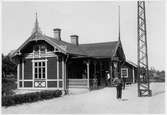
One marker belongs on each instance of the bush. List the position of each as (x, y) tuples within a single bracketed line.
[(8, 85), (29, 97)]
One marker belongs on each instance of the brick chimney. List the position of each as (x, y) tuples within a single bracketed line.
[(57, 34), (74, 39)]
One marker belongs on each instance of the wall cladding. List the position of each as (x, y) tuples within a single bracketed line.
[(60, 68), (28, 84), (52, 83), (52, 68), (28, 69), (20, 72)]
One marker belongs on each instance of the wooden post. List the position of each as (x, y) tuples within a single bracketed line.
[(57, 71), (101, 79), (95, 69), (95, 76), (111, 71), (133, 74), (18, 74), (63, 72), (22, 73), (88, 74)]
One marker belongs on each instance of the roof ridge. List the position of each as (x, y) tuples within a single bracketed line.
[(57, 40), (99, 43)]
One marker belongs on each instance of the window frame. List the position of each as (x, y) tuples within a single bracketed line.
[(38, 52), (124, 69), (41, 67)]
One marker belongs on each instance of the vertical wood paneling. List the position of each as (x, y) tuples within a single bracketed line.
[(52, 68), (20, 71), (28, 69), (60, 68)]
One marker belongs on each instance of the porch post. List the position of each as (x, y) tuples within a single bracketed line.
[(100, 68), (95, 76), (63, 72), (111, 71), (22, 73), (87, 64), (57, 71), (133, 74), (95, 69), (18, 74), (101, 79)]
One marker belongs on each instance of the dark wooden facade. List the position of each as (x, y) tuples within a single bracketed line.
[(130, 70)]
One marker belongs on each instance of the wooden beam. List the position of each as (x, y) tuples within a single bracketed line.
[(111, 71), (95, 63), (63, 73), (133, 75), (18, 74), (100, 69), (57, 71), (22, 73), (88, 74)]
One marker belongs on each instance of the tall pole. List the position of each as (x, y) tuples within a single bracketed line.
[(143, 73), (119, 36)]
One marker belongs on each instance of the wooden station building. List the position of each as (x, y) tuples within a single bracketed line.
[(45, 62)]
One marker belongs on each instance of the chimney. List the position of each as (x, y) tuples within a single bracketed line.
[(74, 39), (57, 34)]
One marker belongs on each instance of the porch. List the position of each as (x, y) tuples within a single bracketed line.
[(89, 73)]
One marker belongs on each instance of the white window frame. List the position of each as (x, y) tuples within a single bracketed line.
[(39, 52), (124, 69), (39, 79)]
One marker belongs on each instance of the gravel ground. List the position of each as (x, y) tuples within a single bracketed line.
[(98, 101)]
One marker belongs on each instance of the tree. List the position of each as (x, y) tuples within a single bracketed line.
[(8, 66)]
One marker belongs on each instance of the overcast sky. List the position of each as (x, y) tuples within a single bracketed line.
[(92, 21)]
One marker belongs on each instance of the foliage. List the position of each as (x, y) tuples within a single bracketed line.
[(8, 66), (29, 97), (8, 69), (156, 75), (8, 86)]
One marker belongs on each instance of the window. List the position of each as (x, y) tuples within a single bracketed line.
[(124, 72), (39, 49), (40, 73), (40, 70)]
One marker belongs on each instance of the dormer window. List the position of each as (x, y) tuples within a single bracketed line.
[(36, 48), (42, 49), (39, 49)]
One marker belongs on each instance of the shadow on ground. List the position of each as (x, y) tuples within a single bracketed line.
[(157, 93)]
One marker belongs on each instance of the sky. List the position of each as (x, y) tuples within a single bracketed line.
[(93, 21)]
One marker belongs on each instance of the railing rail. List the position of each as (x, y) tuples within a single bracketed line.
[(77, 83)]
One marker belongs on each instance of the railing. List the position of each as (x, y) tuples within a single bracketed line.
[(77, 83)]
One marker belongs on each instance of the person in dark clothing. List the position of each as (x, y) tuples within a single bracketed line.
[(118, 82), (124, 82)]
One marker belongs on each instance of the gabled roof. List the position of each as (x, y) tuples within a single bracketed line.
[(70, 48), (132, 63), (106, 49)]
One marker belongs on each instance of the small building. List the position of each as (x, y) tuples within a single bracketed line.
[(129, 72), (45, 62)]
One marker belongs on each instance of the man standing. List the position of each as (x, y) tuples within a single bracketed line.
[(124, 82), (108, 78), (118, 82)]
